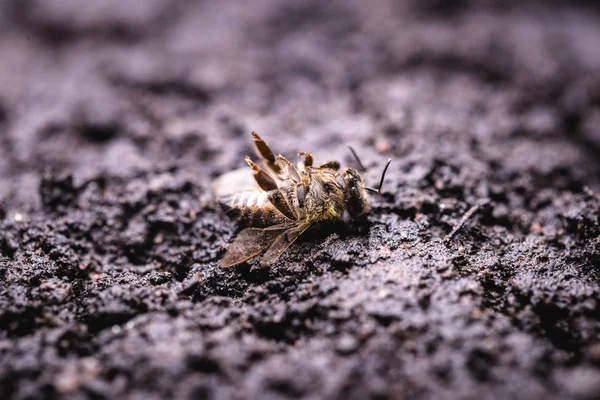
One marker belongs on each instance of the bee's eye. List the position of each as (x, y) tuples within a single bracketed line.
[(353, 198), (340, 181)]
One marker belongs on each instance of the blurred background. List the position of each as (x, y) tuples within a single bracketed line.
[(116, 116), (119, 87)]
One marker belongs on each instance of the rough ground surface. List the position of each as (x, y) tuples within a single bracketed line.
[(115, 116)]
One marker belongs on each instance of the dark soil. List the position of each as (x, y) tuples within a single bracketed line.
[(115, 117)]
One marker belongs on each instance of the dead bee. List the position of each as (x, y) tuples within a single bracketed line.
[(287, 201)]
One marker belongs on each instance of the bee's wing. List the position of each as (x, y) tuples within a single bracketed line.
[(239, 180), (250, 242), (281, 243)]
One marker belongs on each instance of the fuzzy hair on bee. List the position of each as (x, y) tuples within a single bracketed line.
[(278, 201)]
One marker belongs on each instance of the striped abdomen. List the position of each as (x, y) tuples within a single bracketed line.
[(252, 208)]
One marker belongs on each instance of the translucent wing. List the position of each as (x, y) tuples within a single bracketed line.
[(239, 180), (281, 244), (251, 242), (236, 181)]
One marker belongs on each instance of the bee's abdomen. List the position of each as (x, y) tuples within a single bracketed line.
[(251, 208)]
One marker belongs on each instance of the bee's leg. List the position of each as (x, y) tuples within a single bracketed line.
[(291, 170), (295, 177), (280, 203), (261, 177), (265, 153), (308, 158), (300, 194), (334, 165)]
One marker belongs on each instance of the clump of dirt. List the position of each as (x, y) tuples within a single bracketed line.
[(115, 119)]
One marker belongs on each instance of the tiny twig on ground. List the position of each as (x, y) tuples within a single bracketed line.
[(468, 215)]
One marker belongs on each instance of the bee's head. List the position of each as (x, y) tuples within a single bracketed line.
[(355, 196)]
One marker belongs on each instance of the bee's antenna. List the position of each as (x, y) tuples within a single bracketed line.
[(360, 164), (378, 190)]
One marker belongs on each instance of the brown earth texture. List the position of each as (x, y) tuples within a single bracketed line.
[(115, 117)]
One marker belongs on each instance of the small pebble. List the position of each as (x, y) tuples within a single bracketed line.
[(347, 344), (537, 228)]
